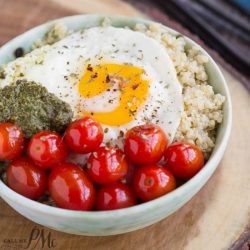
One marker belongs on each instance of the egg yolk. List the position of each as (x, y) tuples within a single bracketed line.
[(127, 79)]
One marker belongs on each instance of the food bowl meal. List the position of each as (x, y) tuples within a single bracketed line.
[(107, 124)]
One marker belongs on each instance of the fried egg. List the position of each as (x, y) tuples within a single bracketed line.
[(121, 77)]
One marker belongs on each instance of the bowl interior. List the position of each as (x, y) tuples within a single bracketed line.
[(216, 79)]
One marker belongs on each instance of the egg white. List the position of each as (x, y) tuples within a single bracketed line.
[(60, 67)]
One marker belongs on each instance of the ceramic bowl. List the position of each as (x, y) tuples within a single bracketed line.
[(128, 219)]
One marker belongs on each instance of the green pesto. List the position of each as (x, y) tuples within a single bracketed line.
[(33, 108)]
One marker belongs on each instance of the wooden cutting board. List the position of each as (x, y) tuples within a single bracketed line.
[(214, 219)]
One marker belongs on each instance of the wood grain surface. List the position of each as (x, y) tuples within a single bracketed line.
[(214, 219)]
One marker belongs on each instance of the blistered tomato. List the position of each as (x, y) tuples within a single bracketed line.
[(145, 144), (107, 165), (115, 196), (71, 188), (153, 181), (11, 141), (184, 159), (84, 135), (26, 179), (47, 149)]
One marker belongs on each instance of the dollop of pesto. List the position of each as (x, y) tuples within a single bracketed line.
[(30, 105)]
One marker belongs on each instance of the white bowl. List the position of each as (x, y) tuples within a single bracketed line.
[(128, 219)]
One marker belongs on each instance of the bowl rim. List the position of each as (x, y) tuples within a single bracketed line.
[(214, 159)]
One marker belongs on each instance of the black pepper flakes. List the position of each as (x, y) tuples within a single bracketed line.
[(94, 75), (121, 134), (89, 67), (107, 79), (135, 86), (132, 112)]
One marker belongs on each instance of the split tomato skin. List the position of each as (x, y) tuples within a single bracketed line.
[(84, 135), (145, 144), (70, 187), (107, 165), (184, 160), (153, 181), (26, 179), (11, 141), (115, 196), (47, 149)]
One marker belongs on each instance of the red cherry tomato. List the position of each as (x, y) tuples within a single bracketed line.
[(153, 181), (70, 187), (107, 165), (11, 141), (115, 196), (26, 179), (184, 160), (145, 144), (84, 135), (47, 149)]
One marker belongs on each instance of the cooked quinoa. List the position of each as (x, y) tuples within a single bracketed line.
[(55, 34), (202, 107)]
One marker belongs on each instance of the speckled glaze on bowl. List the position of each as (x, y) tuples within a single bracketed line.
[(129, 219)]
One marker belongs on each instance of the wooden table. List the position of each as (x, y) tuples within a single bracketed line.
[(216, 218)]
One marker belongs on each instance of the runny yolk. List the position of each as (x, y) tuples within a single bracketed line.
[(126, 79)]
